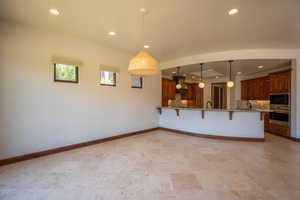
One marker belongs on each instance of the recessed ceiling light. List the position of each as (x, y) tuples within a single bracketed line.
[(233, 11), (146, 46), (54, 11), (112, 33), (239, 72), (260, 66)]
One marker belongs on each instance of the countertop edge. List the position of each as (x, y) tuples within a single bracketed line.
[(214, 110)]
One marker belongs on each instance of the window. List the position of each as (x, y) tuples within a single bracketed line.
[(108, 78), (65, 73), (136, 82)]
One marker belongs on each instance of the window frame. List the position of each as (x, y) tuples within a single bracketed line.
[(67, 81), (141, 80), (114, 76)]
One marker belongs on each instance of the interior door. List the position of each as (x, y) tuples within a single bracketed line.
[(216, 97)]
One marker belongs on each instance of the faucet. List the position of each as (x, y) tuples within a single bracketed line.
[(208, 103), (249, 105)]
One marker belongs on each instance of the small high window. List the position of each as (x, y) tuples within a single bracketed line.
[(136, 82), (108, 78), (66, 73)]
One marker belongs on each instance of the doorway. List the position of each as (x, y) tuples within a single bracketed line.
[(219, 95)]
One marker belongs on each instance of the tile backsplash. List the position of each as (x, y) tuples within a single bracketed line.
[(256, 104)]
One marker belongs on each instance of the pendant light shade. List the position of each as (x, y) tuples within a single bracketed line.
[(178, 86), (230, 83), (143, 64), (201, 84)]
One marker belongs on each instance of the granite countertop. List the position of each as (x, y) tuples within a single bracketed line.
[(215, 110)]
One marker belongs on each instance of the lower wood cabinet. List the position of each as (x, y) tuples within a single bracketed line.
[(266, 122), (280, 130)]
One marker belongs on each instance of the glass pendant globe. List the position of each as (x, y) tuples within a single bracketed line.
[(178, 86), (201, 85), (230, 84)]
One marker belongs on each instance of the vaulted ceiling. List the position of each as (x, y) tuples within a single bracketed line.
[(173, 28)]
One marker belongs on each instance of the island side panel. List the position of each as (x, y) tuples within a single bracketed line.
[(243, 124)]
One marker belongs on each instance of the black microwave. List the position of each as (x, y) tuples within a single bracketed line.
[(280, 99)]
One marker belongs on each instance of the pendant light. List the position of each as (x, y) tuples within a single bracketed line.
[(178, 79), (230, 83), (143, 63), (201, 84)]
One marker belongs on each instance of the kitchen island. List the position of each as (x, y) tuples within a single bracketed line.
[(233, 124)]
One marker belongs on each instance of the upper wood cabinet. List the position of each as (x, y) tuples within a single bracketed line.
[(255, 89), (190, 94), (168, 90), (260, 88), (280, 82), (194, 94)]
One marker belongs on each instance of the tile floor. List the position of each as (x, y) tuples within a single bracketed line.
[(160, 165)]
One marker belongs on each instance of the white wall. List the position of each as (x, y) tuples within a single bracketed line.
[(38, 114), (293, 54)]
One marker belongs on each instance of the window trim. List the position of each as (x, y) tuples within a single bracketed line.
[(115, 79), (141, 87), (66, 81)]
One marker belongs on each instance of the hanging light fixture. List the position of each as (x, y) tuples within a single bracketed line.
[(201, 84), (178, 79), (143, 63), (230, 83)]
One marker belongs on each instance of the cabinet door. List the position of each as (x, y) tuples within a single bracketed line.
[(274, 83), (164, 92), (261, 85), (244, 88), (266, 122), (266, 88), (168, 90), (172, 89), (285, 79), (250, 90), (280, 82), (199, 97)]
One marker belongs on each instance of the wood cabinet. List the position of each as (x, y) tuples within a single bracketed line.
[(199, 97), (194, 94), (168, 91), (266, 122), (280, 130), (280, 82), (190, 94), (260, 88), (255, 89)]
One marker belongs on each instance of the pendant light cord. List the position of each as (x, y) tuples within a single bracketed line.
[(142, 28), (230, 61), (201, 71)]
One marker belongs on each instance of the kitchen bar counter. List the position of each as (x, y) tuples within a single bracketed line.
[(217, 123), (214, 109)]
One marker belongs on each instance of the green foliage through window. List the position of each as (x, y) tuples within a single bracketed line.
[(66, 73)]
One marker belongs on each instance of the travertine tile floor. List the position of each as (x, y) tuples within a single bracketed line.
[(160, 165)]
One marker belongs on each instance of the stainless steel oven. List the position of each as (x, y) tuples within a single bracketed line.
[(280, 118), (280, 99)]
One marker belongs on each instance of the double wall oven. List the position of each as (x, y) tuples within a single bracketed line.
[(281, 107)]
